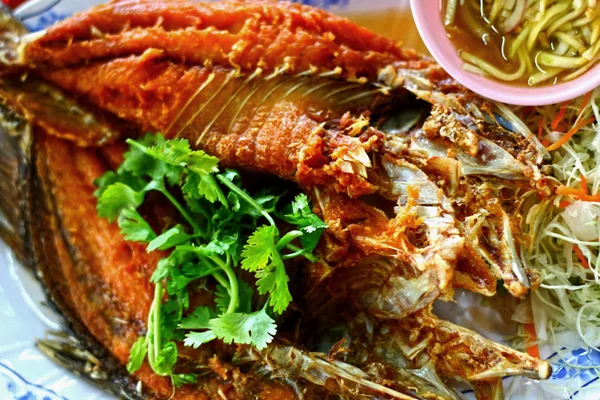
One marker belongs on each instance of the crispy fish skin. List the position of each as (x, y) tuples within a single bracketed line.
[(246, 122), (271, 87), (242, 34), (92, 284), (234, 41)]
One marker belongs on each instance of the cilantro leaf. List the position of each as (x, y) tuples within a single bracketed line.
[(197, 206), (234, 203), (222, 298), (173, 153), (174, 236), (197, 339), (180, 256), (197, 270), (245, 297), (259, 249), (310, 224), (105, 181), (177, 282), (245, 293), (177, 152), (161, 271), (139, 163), (137, 354), (229, 241), (158, 158), (182, 379), (165, 359), (170, 315), (134, 227), (198, 319), (178, 157), (257, 328), (260, 255), (274, 280), (213, 248), (177, 286), (267, 198), (111, 177), (116, 198), (201, 186), (233, 176)]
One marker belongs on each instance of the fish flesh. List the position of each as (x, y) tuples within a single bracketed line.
[(421, 182)]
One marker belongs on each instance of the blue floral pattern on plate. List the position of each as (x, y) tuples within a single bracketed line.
[(44, 20), (579, 364), (20, 389)]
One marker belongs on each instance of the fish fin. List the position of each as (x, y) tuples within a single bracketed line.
[(70, 353), (481, 359), (340, 377), (59, 113), (15, 143)]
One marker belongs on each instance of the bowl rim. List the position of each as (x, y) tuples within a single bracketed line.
[(433, 33)]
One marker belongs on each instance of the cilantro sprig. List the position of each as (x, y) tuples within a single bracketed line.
[(223, 229)]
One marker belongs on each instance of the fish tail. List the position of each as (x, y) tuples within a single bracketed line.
[(69, 352)]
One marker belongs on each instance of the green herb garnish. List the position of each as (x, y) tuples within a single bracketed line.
[(223, 229)]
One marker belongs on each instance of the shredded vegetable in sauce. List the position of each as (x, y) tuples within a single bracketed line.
[(565, 228), (528, 42)]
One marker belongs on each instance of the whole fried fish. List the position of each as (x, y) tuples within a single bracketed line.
[(420, 182)]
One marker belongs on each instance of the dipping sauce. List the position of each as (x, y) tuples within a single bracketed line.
[(527, 42)]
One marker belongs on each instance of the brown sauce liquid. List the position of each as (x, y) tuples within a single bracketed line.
[(472, 33), (487, 46)]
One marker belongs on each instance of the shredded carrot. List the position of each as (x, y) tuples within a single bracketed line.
[(562, 127), (577, 194), (567, 191), (540, 128), (559, 116), (532, 348), (564, 204), (545, 143), (581, 257), (565, 138), (584, 187), (586, 100)]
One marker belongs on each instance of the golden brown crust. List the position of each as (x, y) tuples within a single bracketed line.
[(248, 123), (263, 34)]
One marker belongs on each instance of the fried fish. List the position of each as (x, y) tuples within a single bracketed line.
[(420, 181)]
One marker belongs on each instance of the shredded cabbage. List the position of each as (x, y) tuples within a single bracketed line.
[(565, 228)]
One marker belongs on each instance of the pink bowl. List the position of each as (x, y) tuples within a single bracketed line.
[(428, 19)]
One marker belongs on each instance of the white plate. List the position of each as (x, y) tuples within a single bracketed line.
[(25, 374)]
